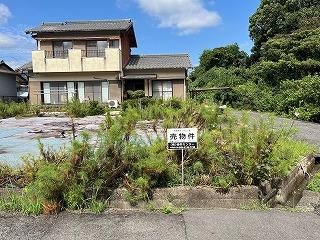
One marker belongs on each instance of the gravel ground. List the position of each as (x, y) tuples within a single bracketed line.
[(193, 224)]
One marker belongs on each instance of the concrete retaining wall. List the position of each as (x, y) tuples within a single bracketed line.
[(291, 189), (191, 197)]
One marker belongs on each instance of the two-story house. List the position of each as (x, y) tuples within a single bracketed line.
[(92, 60)]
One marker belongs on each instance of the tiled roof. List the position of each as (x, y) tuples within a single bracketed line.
[(158, 62), (26, 66), (95, 25)]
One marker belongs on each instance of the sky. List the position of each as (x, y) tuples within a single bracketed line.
[(161, 26)]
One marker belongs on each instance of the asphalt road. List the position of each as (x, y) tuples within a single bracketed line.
[(193, 224)]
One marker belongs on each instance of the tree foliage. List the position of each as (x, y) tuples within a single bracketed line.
[(275, 17), (229, 56), (285, 56)]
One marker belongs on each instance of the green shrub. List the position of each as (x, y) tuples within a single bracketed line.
[(171, 209), (136, 94), (300, 99), (254, 97), (97, 206), (14, 109), (90, 108), (314, 185), (137, 103)]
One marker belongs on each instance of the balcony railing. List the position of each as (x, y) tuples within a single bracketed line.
[(84, 53), (93, 53), (56, 54)]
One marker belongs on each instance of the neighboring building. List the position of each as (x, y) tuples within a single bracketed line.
[(10, 82), (92, 60), (25, 71)]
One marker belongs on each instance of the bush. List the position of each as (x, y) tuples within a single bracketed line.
[(137, 103), (14, 109), (136, 94), (254, 97), (314, 185), (300, 98), (90, 108)]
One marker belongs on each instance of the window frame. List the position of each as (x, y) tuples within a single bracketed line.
[(96, 51), (64, 52), (162, 91), (96, 95)]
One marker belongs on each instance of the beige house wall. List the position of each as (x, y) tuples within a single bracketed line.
[(46, 45), (178, 89), (79, 41), (76, 77), (115, 90), (34, 88)]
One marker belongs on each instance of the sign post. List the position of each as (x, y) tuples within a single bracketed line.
[(182, 139)]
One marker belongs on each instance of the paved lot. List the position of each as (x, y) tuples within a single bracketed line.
[(307, 131), (193, 224)]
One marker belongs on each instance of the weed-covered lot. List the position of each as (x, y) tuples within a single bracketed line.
[(232, 151)]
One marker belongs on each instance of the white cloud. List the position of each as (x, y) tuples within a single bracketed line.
[(7, 41), (188, 16), (15, 45), (122, 4), (5, 14)]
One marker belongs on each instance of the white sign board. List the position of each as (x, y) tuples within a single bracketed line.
[(182, 138)]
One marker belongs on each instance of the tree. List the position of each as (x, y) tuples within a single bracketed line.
[(229, 56), (281, 17)]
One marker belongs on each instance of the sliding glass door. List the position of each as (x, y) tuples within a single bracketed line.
[(57, 93)]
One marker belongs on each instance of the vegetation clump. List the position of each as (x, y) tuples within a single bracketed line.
[(14, 109), (314, 185), (77, 109), (131, 152)]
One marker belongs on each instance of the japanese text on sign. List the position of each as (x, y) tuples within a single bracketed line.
[(182, 138)]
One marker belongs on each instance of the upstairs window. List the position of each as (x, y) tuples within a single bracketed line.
[(60, 49), (113, 43), (96, 48)]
